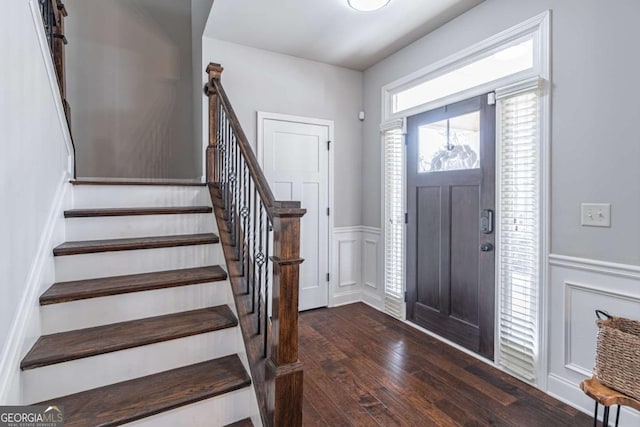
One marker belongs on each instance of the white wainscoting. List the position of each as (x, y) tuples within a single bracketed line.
[(372, 267), (345, 286), (578, 287), (357, 267)]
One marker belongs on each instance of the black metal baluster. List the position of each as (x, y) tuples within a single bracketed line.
[(253, 272), (233, 188), (219, 144), (228, 171), (243, 214), (239, 207), (236, 201), (266, 289), (232, 149), (248, 224), (223, 156), (48, 19), (223, 164), (260, 259)]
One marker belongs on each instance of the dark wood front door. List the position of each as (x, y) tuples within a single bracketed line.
[(451, 210)]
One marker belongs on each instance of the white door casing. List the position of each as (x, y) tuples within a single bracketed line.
[(294, 155)]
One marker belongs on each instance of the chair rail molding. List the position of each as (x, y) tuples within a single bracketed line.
[(597, 266)]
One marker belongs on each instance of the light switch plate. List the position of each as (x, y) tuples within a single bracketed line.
[(596, 215)]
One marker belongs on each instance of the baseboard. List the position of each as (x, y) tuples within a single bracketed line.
[(346, 298), (373, 300), (26, 324), (374, 305)]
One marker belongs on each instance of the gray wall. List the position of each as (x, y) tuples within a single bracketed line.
[(200, 10), (130, 85), (595, 109), (258, 80)]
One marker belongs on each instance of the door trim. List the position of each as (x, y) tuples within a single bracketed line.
[(261, 117)]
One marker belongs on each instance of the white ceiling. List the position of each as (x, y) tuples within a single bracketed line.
[(329, 30)]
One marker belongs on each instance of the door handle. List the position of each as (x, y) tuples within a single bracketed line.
[(486, 247)]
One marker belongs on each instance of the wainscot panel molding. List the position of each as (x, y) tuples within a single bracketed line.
[(578, 287), (372, 267), (345, 286), (357, 267)]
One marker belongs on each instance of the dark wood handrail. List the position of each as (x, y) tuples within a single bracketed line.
[(233, 170)]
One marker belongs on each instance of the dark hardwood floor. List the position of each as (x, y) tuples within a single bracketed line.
[(363, 368)]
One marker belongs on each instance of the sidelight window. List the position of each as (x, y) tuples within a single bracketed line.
[(394, 189), (519, 206)]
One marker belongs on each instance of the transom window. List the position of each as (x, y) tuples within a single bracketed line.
[(507, 60)]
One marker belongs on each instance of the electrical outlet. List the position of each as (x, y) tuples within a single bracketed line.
[(596, 215)]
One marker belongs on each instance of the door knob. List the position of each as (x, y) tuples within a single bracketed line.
[(486, 247)]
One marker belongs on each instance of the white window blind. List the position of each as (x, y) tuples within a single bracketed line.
[(394, 221), (519, 248)]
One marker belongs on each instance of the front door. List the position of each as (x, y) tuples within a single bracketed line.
[(450, 239), (296, 164)]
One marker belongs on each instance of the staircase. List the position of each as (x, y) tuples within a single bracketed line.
[(141, 325)]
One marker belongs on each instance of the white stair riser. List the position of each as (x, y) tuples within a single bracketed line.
[(132, 196), (137, 305), (74, 376), (217, 411), (118, 263), (97, 228)]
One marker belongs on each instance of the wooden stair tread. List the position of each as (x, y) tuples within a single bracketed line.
[(173, 210), (137, 182), (108, 245), (135, 399), (93, 288), (242, 423), (72, 345)]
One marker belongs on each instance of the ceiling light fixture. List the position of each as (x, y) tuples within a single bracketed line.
[(367, 5)]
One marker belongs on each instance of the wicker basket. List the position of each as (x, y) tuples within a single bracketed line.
[(618, 355)]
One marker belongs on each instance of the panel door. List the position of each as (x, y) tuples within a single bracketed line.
[(296, 164), (450, 239)]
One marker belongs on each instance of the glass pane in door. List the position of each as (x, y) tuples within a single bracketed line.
[(451, 144)]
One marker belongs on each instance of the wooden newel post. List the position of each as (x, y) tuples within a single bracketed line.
[(284, 371), (214, 71)]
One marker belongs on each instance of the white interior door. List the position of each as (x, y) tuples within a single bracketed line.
[(296, 164)]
